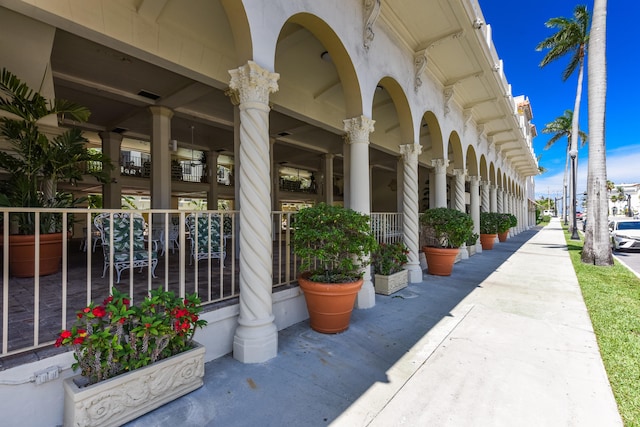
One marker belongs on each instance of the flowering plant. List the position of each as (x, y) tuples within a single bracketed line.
[(116, 337), (389, 258)]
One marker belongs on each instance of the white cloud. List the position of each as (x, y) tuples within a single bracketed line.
[(622, 168)]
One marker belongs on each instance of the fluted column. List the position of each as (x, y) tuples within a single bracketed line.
[(493, 195), (474, 201), (440, 182), (485, 206), (256, 338), (410, 209), (358, 130)]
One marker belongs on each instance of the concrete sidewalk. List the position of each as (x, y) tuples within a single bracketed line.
[(505, 341)]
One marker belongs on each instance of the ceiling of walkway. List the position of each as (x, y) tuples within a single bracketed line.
[(118, 88)]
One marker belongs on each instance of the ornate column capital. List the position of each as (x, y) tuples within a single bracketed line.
[(253, 83), (410, 152), (440, 165), (459, 172), (474, 180), (358, 129)]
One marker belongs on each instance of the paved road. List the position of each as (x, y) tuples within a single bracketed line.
[(631, 259)]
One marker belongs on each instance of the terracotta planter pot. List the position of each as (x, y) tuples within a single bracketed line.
[(125, 397), (440, 260), (22, 254), (487, 241), (329, 304), (503, 236)]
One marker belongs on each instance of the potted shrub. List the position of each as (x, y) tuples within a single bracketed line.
[(445, 231), (334, 245), (489, 223), (388, 261), (504, 223), (36, 164), (471, 243), (132, 359)]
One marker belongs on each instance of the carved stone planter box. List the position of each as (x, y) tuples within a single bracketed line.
[(123, 398), (386, 285)]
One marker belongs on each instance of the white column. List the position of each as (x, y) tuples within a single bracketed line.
[(112, 190), (160, 157), (410, 209), (440, 184), (493, 194), (474, 200), (256, 338), (358, 130), (212, 176), (460, 199), (459, 202), (485, 207), (400, 183), (346, 178), (328, 178), (501, 200)]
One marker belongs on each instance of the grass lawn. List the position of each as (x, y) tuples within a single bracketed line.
[(612, 296)]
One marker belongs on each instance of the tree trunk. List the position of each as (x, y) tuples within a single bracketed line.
[(597, 249)]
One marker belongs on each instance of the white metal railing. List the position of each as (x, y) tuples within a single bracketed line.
[(48, 303), (387, 227)]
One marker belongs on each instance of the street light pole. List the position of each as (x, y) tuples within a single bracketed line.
[(574, 176), (629, 213)]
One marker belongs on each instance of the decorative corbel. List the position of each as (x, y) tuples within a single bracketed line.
[(371, 13), (448, 94), (419, 63)]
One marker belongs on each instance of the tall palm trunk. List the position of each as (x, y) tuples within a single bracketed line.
[(564, 188), (597, 249), (573, 150)]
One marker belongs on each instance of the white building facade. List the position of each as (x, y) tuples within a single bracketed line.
[(393, 106)]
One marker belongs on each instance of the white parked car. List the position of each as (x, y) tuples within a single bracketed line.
[(625, 234)]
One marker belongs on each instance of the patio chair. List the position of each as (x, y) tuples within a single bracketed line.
[(173, 239), (205, 240), (121, 243)]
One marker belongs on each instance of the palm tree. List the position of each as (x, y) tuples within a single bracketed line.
[(597, 249), (560, 128), (572, 38)]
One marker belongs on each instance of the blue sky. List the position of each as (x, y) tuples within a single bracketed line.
[(517, 28)]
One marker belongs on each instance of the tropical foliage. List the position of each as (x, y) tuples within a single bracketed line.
[(39, 161)]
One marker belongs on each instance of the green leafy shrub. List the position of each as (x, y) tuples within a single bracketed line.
[(447, 228), (333, 242), (389, 258)]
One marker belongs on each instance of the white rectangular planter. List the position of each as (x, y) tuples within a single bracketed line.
[(386, 285), (123, 398)]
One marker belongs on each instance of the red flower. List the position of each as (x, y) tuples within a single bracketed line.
[(147, 325), (80, 314), (121, 321), (58, 342), (65, 334), (108, 300), (87, 309), (99, 311), (125, 301), (78, 340)]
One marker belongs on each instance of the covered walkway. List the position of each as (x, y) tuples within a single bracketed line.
[(506, 340)]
